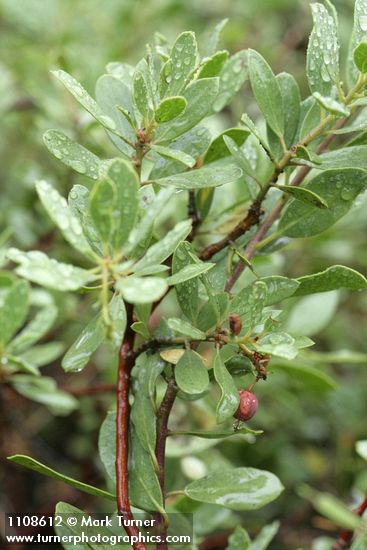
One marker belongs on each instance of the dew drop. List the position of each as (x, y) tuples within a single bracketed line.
[(347, 194), (363, 22)]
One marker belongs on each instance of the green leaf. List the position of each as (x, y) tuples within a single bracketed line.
[(194, 143), (183, 60), (239, 156), (218, 149), (142, 411), (82, 96), (213, 312), (184, 327), (310, 377), (312, 313), (349, 157), (140, 92), (291, 100), (58, 210), (140, 236), (44, 390), (114, 203), (303, 195), (338, 188), (117, 314), (231, 78), (200, 96), (332, 508), (33, 464), (333, 278), (267, 92), (182, 258), (146, 370), (214, 37), (282, 344), (126, 182), (107, 444), (279, 288), (20, 364), (39, 268), (190, 373), (360, 543), (361, 448), (249, 303), (14, 305), (85, 345), (359, 34), (239, 540), (62, 529), (213, 175), (237, 489), (291, 96), (265, 536), (250, 125), (332, 105), (110, 93), (161, 250), (142, 290), (189, 272), (43, 354), (72, 154), (144, 488), (78, 200), (174, 154), (170, 108), (212, 66), (74, 533), (323, 51), (217, 434), (229, 401), (35, 330)]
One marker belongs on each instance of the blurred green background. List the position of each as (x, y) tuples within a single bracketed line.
[(310, 430)]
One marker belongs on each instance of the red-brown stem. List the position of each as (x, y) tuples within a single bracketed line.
[(251, 247), (252, 218), (345, 536), (192, 214), (126, 362), (163, 414)]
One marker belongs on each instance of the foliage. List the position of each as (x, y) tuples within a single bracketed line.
[(173, 239)]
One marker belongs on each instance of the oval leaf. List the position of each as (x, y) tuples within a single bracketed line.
[(304, 195), (338, 188), (229, 401), (190, 373), (170, 108), (237, 489), (267, 92), (72, 154)]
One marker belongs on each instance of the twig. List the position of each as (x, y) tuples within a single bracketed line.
[(126, 362), (345, 536), (163, 414), (157, 343), (192, 214)]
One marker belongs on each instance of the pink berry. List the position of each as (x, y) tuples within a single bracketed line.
[(247, 407)]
